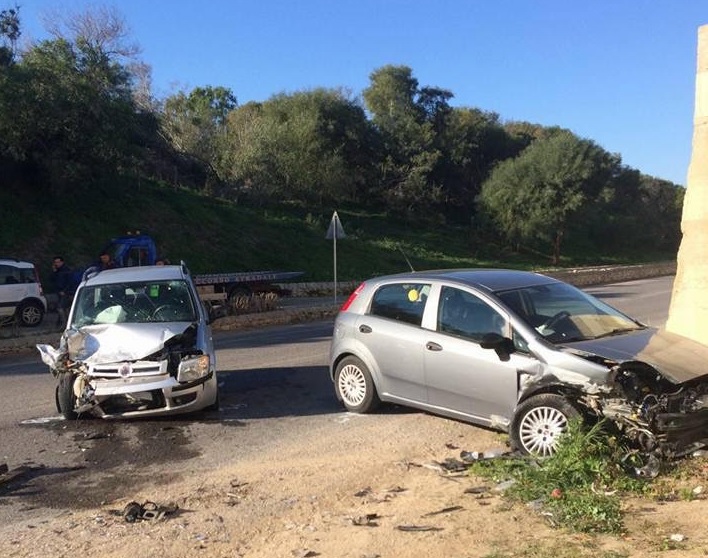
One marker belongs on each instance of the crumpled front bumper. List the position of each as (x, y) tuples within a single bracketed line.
[(155, 395)]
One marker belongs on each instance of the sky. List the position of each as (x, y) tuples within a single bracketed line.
[(619, 72)]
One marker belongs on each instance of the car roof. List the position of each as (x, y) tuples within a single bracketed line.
[(16, 262), (132, 274), (492, 280)]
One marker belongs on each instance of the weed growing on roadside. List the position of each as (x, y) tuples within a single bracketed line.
[(579, 486)]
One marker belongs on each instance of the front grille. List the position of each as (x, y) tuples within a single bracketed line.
[(138, 369)]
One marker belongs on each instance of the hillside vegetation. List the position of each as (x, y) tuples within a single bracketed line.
[(213, 235), (87, 152)]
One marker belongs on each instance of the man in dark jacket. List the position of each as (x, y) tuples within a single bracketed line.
[(63, 285)]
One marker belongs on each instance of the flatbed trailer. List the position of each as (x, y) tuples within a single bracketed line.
[(140, 249)]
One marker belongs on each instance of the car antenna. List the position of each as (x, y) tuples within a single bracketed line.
[(406, 257)]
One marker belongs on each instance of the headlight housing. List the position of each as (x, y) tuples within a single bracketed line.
[(193, 368)]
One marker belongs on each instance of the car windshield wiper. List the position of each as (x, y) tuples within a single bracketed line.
[(618, 331)]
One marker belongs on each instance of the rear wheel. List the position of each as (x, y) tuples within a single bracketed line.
[(66, 398), (30, 313), (539, 422), (355, 386)]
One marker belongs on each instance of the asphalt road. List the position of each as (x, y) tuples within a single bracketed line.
[(273, 384)]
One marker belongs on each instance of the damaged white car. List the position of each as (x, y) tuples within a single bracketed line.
[(137, 343), (519, 352)]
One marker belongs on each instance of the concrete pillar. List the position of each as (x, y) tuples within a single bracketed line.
[(688, 313)]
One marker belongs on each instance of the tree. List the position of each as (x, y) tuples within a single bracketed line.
[(410, 121), (195, 124), (10, 33), (312, 146), (542, 193), (67, 114), (100, 28), (472, 142)]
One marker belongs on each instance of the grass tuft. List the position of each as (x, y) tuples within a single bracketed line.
[(579, 487)]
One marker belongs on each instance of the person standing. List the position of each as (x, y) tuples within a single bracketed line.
[(105, 261), (63, 286)]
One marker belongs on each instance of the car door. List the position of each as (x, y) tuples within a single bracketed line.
[(395, 341), (12, 290), (463, 378)]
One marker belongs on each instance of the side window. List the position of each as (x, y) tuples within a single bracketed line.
[(7, 275), (520, 343), (403, 302), (463, 314), (27, 275)]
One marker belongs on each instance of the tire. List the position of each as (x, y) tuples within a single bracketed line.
[(355, 386), (30, 313), (66, 399), (539, 422), (240, 292)]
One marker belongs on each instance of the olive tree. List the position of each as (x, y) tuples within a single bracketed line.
[(542, 193)]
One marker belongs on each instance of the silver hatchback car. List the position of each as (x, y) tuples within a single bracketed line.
[(137, 343), (518, 352)]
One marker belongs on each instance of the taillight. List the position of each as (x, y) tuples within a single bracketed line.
[(36, 278), (352, 298)]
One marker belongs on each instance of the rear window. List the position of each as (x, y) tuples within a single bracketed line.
[(403, 302)]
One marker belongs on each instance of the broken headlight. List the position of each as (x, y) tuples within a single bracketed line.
[(193, 368)]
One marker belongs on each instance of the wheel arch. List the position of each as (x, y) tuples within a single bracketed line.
[(32, 300), (364, 357), (572, 394)]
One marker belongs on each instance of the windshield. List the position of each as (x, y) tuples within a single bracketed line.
[(142, 302), (562, 313)]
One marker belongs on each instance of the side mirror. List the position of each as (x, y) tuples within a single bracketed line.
[(503, 346)]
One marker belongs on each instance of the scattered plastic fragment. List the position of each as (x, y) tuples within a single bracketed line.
[(472, 456), (453, 465), (368, 520), (417, 528), (677, 537), (477, 490), (444, 510), (363, 492), (148, 511)]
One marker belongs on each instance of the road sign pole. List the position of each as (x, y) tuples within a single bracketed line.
[(334, 245), (334, 231)]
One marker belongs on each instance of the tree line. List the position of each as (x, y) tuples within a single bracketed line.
[(77, 110)]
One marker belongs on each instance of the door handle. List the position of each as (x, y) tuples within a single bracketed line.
[(365, 329), (431, 346)]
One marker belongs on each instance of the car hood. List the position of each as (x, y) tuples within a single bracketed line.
[(105, 343), (675, 357)]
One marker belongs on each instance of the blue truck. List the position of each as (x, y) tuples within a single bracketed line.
[(140, 249)]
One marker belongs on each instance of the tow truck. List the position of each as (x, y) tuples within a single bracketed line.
[(139, 249)]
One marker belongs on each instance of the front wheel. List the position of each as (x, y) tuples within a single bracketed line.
[(539, 423), (355, 386), (66, 398)]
